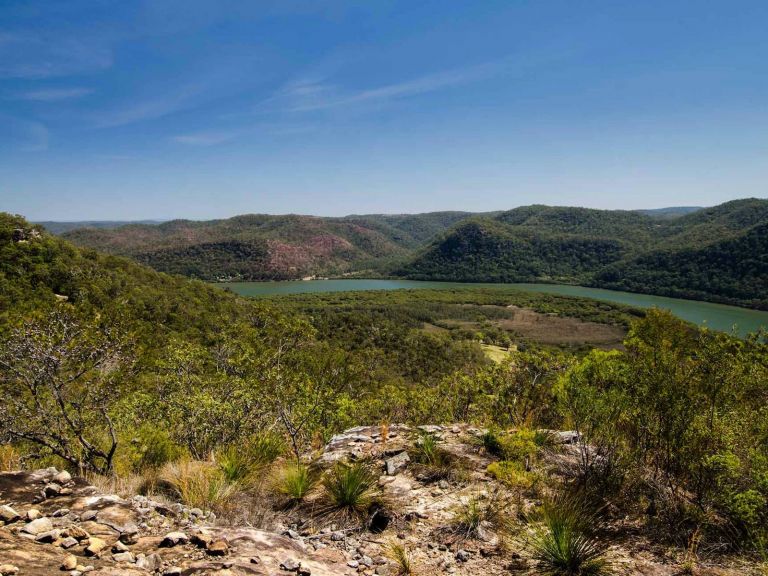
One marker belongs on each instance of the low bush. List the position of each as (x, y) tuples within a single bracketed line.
[(512, 474)]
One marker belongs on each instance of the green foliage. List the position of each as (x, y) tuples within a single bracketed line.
[(245, 463), (350, 489), (563, 543), (512, 474), (152, 448), (294, 481)]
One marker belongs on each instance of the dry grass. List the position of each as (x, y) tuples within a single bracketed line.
[(400, 556), (199, 484), (10, 459)]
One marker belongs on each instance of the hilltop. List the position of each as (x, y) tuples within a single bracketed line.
[(718, 254), (265, 247)]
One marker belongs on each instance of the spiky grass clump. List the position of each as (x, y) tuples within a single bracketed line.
[(489, 510), (432, 462), (245, 464), (294, 482), (400, 556), (350, 489), (563, 542), (199, 484)]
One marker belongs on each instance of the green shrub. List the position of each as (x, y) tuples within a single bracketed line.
[(350, 489), (512, 474), (153, 448), (519, 445), (432, 463), (492, 444), (563, 543)]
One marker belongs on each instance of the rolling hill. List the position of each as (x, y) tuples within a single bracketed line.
[(264, 247), (718, 254)]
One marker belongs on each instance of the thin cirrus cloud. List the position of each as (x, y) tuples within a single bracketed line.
[(35, 56), (204, 138), (313, 95), (54, 94)]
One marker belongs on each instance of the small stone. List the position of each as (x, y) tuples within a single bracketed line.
[(8, 514), (172, 571), (88, 515), (70, 562), (76, 532), (290, 565), (63, 477), (52, 490), (462, 555), (124, 557), (173, 539), (201, 539), (195, 512), (353, 563), (130, 534), (396, 463), (38, 526), (337, 536), (303, 571), (119, 547), (218, 548), (292, 534), (60, 512), (8, 570), (149, 563), (47, 537), (33, 514), (68, 543), (95, 546)]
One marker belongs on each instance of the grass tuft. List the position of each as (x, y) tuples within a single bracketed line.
[(199, 484), (294, 481), (350, 489), (398, 554), (563, 543)]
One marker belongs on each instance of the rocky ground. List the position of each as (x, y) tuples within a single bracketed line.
[(52, 523)]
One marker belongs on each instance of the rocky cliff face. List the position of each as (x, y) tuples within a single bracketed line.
[(55, 524)]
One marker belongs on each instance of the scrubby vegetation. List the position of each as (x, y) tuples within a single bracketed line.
[(109, 368)]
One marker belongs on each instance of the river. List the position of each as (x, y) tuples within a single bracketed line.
[(716, 316)]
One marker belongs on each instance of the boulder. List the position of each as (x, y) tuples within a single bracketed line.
[(396, 463), (95, 546), (38, 526), (8, 514), (70, 562), (174, 539)]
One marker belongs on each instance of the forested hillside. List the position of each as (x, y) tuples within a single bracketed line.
[(263, 247), (716, 254)]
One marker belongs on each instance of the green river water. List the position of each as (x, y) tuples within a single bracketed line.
[(715, 316)]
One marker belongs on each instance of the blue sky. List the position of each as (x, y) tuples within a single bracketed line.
[(203, 109)]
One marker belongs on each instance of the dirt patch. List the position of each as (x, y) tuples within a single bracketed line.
[(551, 329)]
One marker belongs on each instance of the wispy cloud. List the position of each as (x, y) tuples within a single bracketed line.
[(151, 109), (310, 94), (205, 138), (32, 55), (54, 94)]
